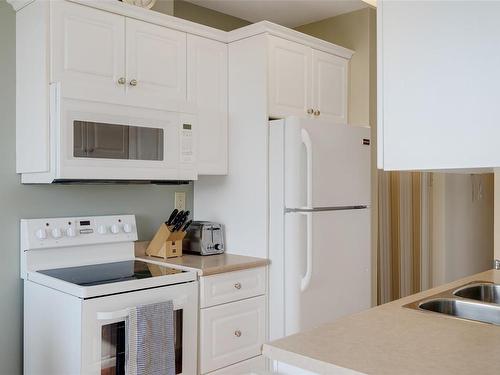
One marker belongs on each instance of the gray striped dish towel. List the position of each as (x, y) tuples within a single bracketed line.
[(151, 345)]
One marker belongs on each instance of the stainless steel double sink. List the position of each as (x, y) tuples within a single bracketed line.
[(478, 301)]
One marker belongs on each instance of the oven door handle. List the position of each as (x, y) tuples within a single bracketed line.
[(122, 314)]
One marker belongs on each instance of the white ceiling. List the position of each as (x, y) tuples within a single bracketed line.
[(290, 13)]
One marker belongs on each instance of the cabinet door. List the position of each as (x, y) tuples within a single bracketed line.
[(88, 52), (156, 65), (207, 89), (289, 78), (438, 85), (329, 89), (231, 333)]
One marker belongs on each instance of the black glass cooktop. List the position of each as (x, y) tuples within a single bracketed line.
[(106, 273)]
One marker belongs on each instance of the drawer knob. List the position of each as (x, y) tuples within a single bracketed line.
[(237, 286), (237, 333)]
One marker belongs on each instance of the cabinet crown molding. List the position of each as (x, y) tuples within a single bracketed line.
[(266, 27), (131, 11), (19, 4)]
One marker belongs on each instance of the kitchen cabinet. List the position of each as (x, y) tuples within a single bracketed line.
[(329, 86), (88, 52), (207, 90), (304, 81), (438, 85), (249, 366), (289, 78), (232, 320), (106, 57), (156, 65)]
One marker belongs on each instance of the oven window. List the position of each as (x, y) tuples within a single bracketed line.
[(114, 341), (111, 141)]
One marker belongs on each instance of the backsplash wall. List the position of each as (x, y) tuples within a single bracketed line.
[(151, 203)]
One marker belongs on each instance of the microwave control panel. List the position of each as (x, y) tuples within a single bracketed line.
[(187, 141)]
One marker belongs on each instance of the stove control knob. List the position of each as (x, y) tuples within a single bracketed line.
[(127, 228), (115, 229), (102, 229), (41, 234), (56, 233), (70, 232)]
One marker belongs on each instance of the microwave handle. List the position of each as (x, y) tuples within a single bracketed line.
[(122, 314)]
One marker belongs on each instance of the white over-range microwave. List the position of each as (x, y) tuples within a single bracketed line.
[(93, 141)]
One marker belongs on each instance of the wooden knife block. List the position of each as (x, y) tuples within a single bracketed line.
[(166, 244)]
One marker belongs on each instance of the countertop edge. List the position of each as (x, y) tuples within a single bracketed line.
[(227, 262), (305, 363)]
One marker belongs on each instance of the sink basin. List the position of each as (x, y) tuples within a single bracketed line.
[(463, 309), (484, 292)]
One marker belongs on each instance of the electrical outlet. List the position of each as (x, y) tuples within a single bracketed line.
[(180, 200)]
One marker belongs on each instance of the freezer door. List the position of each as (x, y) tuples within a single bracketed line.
[(326, 164), (327, 267)]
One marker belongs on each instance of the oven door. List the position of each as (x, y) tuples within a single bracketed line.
[(99, 141), (104, 335)]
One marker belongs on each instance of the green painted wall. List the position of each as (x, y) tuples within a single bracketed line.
[(151, 203), (208, 17)]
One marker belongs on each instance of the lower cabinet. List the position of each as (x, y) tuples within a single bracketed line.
[(232, 333), (250, 366)]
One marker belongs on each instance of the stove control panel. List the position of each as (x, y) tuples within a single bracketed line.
[(77, 231)]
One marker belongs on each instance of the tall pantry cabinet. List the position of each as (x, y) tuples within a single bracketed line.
[(274, 72)]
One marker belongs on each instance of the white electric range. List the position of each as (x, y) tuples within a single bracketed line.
[(81, 278)]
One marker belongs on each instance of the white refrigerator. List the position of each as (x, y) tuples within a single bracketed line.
[(319, 223)]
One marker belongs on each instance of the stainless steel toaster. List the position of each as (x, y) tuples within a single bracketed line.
[(204, 238)]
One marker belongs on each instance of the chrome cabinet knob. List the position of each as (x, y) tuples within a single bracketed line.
[(121, 81), (133, 82), (237, 286), (317, 112), (237, 333), (310, 111)]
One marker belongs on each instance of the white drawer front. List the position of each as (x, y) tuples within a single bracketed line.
[(231, 333), (232, 286), (248, 367)]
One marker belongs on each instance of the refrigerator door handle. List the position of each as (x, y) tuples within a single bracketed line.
[(306, 279), (306, 140)]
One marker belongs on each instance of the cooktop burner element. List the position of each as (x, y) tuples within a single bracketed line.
[(106, 273)]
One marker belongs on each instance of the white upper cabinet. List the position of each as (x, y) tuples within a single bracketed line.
[(329, 95), (105, 57), (207, 89), (438, 82), (304, 81), (156, 65), (88, 52), (289, 78)]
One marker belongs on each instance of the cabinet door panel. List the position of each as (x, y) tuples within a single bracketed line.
[(207, 88), (438, 85), (330, 74), (289, 78), (231, 333), (156, 60), (88, 52)]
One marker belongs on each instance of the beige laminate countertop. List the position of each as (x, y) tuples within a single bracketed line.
[(391, 339), (205, 265)]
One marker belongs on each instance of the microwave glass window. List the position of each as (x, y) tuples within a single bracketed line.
[(111, 141), (114, 341)]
